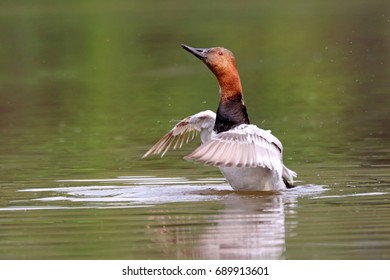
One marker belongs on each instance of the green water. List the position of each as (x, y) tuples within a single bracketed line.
[(86, 89)]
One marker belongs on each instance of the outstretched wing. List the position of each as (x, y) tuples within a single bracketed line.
[(184, 131), (243, 146)]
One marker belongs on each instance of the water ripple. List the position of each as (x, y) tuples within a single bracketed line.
[(131, 191)]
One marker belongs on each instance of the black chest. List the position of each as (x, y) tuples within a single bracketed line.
[(229, 115)]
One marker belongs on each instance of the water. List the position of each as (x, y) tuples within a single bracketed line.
[(87, 88)]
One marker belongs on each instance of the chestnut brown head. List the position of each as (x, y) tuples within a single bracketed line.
[(218, 59)]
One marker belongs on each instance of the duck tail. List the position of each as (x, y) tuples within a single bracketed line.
[(288, 177)]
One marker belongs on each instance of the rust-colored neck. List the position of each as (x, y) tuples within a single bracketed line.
[(230, 86)]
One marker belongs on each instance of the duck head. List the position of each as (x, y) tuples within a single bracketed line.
[(222, 63), (218, 59)]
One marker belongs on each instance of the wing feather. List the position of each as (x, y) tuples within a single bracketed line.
[(243, 146), (183, 132)]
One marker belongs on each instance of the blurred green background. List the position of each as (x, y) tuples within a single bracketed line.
[(87, 86)]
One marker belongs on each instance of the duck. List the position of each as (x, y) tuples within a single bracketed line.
[(250, 158)]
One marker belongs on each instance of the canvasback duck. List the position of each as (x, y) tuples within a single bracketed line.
[(249, 157)]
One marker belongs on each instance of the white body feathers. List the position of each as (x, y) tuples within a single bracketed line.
[(250, 158)]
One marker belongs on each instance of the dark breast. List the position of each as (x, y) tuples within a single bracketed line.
[(229, 115)]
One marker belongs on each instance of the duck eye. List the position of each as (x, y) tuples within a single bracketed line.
[(220, 52)]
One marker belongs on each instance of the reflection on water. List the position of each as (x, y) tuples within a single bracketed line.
[(179, 218), (244, 225), (247, 228)]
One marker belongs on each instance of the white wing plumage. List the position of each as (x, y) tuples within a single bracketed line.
[(243, 146), (184, 131)]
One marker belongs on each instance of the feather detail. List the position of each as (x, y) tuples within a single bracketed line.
[(183, 132), (243, 146)]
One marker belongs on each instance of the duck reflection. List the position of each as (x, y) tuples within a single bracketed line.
[(247, 226)]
